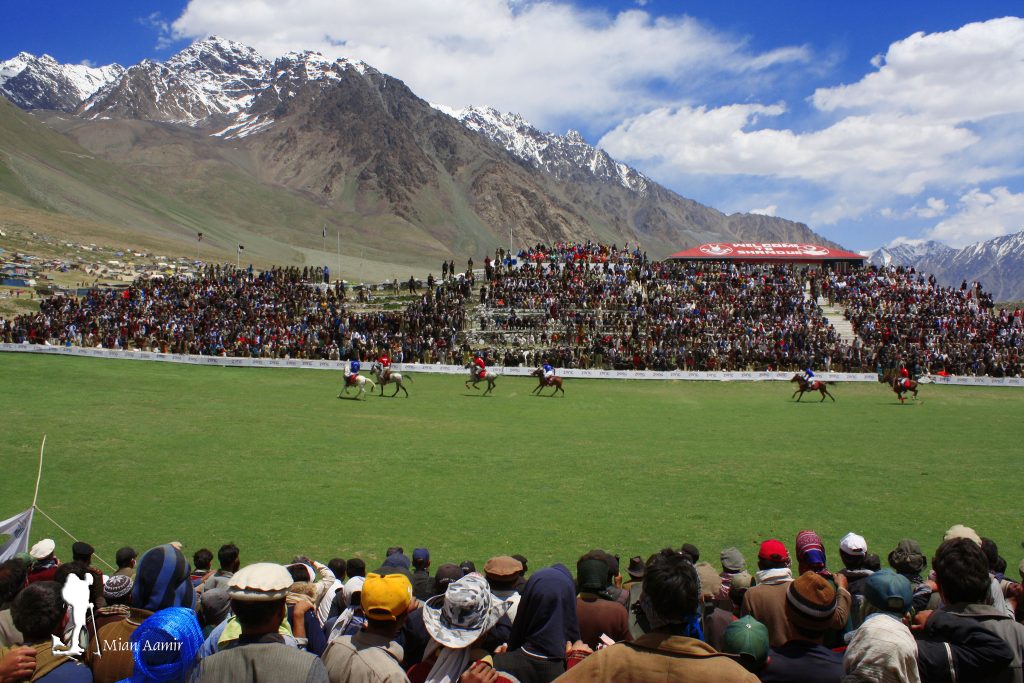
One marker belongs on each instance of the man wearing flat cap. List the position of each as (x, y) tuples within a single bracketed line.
[(44, 562), (503, 574), (258, 594)]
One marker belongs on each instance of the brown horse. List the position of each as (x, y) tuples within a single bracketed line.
[(900, 388), (553, 381), (803, 386)]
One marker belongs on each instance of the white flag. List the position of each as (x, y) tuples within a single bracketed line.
[(17, 528)]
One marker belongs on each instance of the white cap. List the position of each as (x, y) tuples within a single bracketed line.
[(42, 549), (853, 544), (260, 582), (961, 531)]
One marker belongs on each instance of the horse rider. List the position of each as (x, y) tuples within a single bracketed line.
[(549, 372), (808, 376), (385, 366), (904, 377), (352, 371), (479, 367)]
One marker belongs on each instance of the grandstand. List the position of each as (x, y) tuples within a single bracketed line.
[(583, 305)]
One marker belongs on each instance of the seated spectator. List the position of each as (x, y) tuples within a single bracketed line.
[(546, 621), (227, 555), (962, 575), (117, 593), (766, 600), (422, 583), (214, 609), (908, 560), (726, 611), (457, 622), (809, 609), (258, 594), (13, 578), (672, 647), (882, 648), (599, 614), (202, 559), (165, 646), (327, 607), (161, 580), (38, 612), (747, 638), (125, 560), (44, 561), (372, 653), (503, 574)]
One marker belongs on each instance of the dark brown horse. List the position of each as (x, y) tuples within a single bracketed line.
[(902, 385), (803, 386), (553, 381)]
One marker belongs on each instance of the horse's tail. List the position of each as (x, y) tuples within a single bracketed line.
[(406, 376)]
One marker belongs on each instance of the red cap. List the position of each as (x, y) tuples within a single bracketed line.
[(773, 551)]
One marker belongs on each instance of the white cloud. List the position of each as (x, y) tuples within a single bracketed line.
[(548, 60), (981, 216), (969, 74), (941, 111), (934, 207), (765, 211)]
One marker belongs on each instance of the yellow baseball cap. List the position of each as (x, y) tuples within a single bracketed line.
[(385, 598)]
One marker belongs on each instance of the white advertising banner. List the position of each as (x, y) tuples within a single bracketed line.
[(725, 376)]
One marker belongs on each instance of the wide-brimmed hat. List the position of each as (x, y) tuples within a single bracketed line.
[(466, 610)]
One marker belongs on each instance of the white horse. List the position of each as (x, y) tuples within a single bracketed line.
[(359, 381), (392, 377), (474, 378)]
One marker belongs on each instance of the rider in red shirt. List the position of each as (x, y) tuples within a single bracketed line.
[(904, 377), (385, 364), (481, 367)]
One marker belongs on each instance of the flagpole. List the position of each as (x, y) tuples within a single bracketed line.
[(339, 254), (39, 477), (238, 256)]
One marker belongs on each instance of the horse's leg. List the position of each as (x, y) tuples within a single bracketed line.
[(397, 387), (830, 396), (401, 386)]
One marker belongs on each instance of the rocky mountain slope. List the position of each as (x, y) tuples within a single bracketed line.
[(316, 144)]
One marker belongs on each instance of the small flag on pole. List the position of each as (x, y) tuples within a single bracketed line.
[(325, 232), (199, 237), (240, 247)]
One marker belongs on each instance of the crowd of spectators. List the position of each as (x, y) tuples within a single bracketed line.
[(791, 618), (913, 322), (575, 305)]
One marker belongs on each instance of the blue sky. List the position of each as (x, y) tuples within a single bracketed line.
[(870, 121)]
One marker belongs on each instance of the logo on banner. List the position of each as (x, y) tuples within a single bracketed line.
[(716, 249), (76, 595)]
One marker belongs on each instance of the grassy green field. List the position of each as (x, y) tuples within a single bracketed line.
[(143, 453)]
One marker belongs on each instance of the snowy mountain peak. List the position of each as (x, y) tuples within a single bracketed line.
[(998, 263), (33, 82), (564, 157)]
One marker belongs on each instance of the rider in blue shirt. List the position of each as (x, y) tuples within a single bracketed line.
[(808, 375), (352, 371), (549, 372)]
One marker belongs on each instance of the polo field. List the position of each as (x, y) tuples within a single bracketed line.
[(144, 453)]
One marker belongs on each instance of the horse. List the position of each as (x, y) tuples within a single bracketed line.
[(357, 380), (900, 388), (804, 386), (553, 381), (389, 377), (474, 378)]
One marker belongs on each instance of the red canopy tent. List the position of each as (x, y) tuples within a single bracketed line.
[(771, 252)]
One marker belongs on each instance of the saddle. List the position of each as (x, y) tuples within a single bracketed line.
[(352, 379)]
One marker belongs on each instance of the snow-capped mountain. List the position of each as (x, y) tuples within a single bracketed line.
[(908, 253), (997, 263), (394, 172), (209, 78), (33, 82), (563, 156)]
